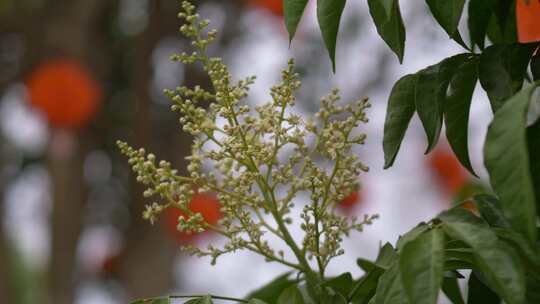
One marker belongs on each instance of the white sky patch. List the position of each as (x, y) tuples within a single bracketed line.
[(24, 127), (28, 203)]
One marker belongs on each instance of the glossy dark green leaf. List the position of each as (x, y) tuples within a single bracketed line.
[(401, 107), (457, 264), (256, 301), (390, 288), (456, 110), (480, 12), (529, 252), (421, 264), (479, 293), (430, 94), (448, 13), (268, 292), (503, 11), (460, 255), (533, 286), (162, 300), (364, 290), (341, 284), (499, 263), (502, 27), (387, 256), (533, 145), (490, 210), (451, 290), (366, 265), (329, 15), (386, 15), (292, 13), (502, 70), (535, 66), (453, 274), (507, 161), (291, 295), (411, 235), (330, 296)]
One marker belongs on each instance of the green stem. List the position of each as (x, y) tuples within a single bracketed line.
[(320, 263), (212, 296), (266, 189)]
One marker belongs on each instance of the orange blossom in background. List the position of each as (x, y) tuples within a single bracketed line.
[(65, 92), (449, 173), (273, 6), (350, 201), (528, 20), (205, 204)]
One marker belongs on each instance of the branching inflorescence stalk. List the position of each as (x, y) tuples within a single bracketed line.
[(262, 161)]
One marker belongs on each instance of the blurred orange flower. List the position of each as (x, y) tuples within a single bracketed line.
[(450, 175), (65, 91), (469, 205), (350, 201), (205, 204), (528, 20), (273, 6)]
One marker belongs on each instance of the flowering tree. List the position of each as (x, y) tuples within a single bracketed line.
[(267, 156)]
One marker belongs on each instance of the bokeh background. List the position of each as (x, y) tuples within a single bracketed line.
[(76, 75)]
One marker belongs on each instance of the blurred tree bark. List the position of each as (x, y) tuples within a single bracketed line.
[(147, 253), (5, 288), (67, 33)]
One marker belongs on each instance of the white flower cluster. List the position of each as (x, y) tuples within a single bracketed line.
[(262, 159)]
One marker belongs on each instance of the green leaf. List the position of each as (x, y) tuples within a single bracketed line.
[(292, 13), (490, 210), (502, 26), (365, 288), (202, 300), (502, 9), (411, 235), (341, 284), (163, 300), (535, 66), (329, 15), (456, 110), (390, 288), (507, 161), (479, 293), (421, 264), (448, 13), (366, 265), (497, 262), (480, 12), (533, 287), (530, 253), (450, 287), (330, 296), (387, 256), (386, 15), (533, 145), (401, 107), (502, 70), (452, 274), (462, 257), (268, 292), (430, 94), (291, 295), (256, 301)]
